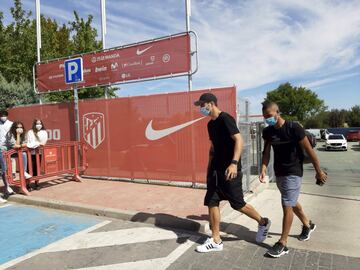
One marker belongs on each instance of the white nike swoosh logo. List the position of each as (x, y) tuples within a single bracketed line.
[(153, 135), (140, 52)]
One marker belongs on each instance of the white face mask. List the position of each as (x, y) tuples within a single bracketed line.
[(3, 119), (38, 127), (19, 130)]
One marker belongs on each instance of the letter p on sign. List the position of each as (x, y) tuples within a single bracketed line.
[(73, 70)]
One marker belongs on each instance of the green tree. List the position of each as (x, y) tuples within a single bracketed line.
[(337, 118), (15, 93), (296, 103), (354, 116), (320, 120), (18, 48)]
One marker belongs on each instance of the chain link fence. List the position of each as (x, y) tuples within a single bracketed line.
[(253, 145)]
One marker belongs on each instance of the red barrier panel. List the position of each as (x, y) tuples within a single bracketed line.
[(50, 159), (53, 159), (160, 137)]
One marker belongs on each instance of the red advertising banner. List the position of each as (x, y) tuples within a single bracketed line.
[(163, 57), (161, 137)]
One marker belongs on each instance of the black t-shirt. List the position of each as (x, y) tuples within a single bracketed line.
[(288, 155), (220, 131)]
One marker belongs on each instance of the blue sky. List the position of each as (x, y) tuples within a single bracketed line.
[(255, 45)]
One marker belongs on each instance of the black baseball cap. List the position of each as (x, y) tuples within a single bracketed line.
[(206, 98)]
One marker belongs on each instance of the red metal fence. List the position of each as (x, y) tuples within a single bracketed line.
[(53, 159)]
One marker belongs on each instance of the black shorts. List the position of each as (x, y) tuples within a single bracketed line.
[(219, 189)]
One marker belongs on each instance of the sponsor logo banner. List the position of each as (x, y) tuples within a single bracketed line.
[(164, 57)]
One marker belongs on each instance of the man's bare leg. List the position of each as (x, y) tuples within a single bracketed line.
[(287, 222), (299, 212), (251, 212), (214, 214)]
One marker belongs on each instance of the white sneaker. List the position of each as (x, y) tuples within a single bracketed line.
[(263, 231), (27, 176), (9, 190), (2, 200), (209, 245)]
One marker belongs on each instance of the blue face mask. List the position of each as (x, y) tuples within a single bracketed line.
[(271, 121), (204, 111)]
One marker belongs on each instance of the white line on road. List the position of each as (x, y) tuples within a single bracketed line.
[(158, 264), (114, 238)]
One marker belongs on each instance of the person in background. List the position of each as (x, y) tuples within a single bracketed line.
[(5, 126), (16, 139), (36, 136)]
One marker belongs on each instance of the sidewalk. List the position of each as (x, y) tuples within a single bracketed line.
[(178, 207), (155, 204)]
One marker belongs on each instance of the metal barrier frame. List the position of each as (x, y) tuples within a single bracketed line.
[(74, 152)]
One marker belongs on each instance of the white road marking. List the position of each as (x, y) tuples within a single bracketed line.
[(44, 249), (112, 238), (89, 239), (158, 264)]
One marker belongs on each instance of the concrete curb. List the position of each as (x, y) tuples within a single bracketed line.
[(157, 219)]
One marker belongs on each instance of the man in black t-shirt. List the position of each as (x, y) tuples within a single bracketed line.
[(288, 140), (224, 177)]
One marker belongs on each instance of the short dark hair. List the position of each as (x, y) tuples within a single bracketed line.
[(268, 104), (4, 113)]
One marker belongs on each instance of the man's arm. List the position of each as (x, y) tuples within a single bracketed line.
[(265, 160), (239, 143), (305, 144), (232, 170)]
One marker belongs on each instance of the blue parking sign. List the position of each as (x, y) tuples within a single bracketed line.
[(73, 70)]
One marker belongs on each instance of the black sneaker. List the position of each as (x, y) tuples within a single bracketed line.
[(36, 185), (278, 250), (306, 232)]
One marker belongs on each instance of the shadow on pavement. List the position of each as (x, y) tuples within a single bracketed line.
[(241, 232), (167, 222), (54, 182)]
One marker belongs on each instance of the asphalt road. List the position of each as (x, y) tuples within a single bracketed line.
[(343, 168)]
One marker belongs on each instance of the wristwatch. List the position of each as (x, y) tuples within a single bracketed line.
[(235, 162)]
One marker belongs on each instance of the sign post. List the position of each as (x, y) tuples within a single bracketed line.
[(74, 74), (188, 14)]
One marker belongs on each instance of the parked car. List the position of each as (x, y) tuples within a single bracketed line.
[(353, 135), (336, 141), (324, 134)]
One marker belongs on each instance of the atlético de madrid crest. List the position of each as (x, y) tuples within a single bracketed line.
[(94, 128)]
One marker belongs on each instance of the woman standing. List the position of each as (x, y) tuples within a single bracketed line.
[(36, 136)]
